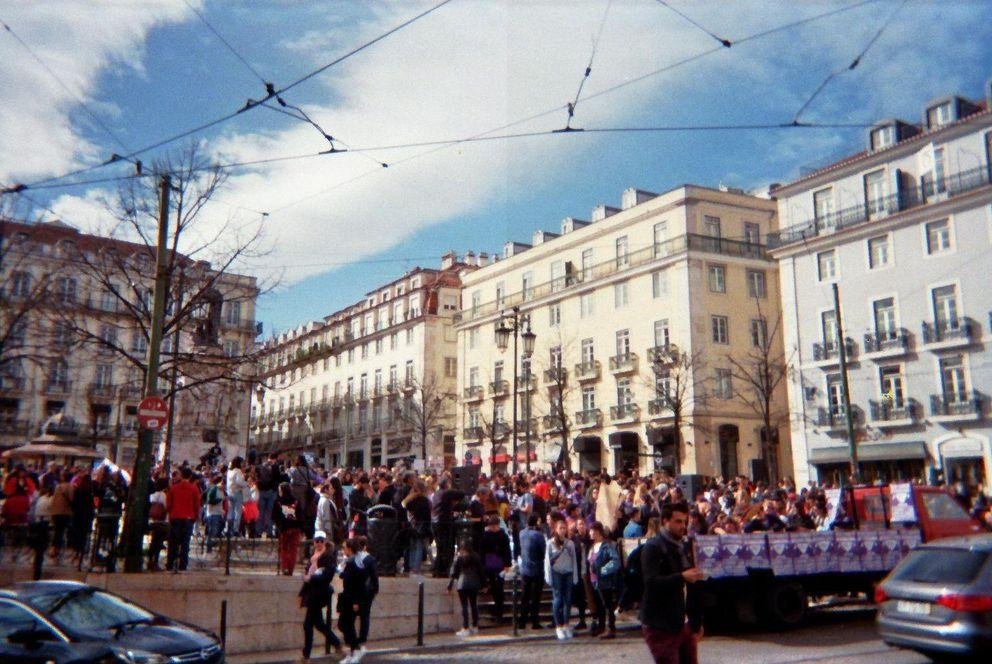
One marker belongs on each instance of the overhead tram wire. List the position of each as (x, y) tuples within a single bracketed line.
[(854, 63), (726, 43), (270, 93), (229, 46), (592, 56)]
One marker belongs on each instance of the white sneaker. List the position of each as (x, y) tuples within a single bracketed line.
[(465, 631), (348, 659), (362, 652), (560, 633), (474, 630), (568, 633)]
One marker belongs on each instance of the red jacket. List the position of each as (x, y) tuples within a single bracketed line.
[(183, 500)]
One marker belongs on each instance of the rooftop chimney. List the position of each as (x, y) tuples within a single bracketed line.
[(540, 237), (511, 249), (601, 212), (632, 197), (447, 260), (569, 224)]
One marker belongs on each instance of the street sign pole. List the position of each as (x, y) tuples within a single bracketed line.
[(136, 516)]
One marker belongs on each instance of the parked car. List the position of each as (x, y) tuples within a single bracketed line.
[(938, 599), (67, 621)]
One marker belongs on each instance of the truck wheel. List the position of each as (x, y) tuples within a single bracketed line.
[(785, 603)]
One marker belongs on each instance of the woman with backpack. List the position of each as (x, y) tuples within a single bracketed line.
[(604, 573), (316, 594), (466, 574), (360, 584)]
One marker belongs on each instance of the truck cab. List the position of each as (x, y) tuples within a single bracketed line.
[(931, 509)]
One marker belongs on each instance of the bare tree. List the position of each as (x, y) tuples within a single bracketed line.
[(757, 377), (494, 428), (557, 396), (677, 380), (427, 407)]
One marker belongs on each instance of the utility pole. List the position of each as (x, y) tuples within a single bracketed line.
[(136, 517), (845, 387)]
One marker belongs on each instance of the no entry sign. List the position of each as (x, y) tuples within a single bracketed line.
[(152, 413)]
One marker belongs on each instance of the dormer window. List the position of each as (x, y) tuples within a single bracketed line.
[(883, 137), (940, 115)]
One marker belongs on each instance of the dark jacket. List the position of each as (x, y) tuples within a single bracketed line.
[(667, 598), (359, 579), (606, 567), (466, 572), (317, 590), (532, 549), (493, 545)]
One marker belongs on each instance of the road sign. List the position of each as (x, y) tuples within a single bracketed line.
[(152, 413)]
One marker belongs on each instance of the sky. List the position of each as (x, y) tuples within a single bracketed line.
[(83, 80)]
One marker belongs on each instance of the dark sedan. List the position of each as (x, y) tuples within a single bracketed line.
[(66, 621), (938, 599)]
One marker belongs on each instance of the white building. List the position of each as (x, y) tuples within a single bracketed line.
[(904, 229)]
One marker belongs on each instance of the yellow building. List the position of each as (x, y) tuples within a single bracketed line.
[(648, 320)]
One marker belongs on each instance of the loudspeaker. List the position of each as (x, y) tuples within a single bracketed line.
[(691, 485), (759, 471), (465, 479)]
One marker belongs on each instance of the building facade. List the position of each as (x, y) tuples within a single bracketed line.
[(637, 315), (371, 384), (74, 340), (904, 231)]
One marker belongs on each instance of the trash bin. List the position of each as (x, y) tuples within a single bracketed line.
[(382, 531)]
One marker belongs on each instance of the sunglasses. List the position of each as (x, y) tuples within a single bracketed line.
[(320, 540)]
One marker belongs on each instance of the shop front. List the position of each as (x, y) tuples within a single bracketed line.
[(590, 451), (663, 444), (964, 459), (877, 462), (626, 446)]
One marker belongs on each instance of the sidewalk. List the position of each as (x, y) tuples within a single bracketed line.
[(494, 636)]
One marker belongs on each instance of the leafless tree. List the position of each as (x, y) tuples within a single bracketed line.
[(677, 379), (557, 396), (427, 407)]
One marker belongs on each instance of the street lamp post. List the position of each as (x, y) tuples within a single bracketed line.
[(519, 326)]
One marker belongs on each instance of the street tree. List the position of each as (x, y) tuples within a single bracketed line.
[(558, 394), (678, 383), (427, 407)]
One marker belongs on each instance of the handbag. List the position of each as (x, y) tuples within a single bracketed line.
[(494, 563)]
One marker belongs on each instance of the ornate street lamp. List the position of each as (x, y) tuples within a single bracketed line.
[(519, 326)]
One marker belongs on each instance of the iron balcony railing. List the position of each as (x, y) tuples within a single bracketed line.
[(627, 411), (587, 370), (906, 199), (553, 423), (473, 393), (555, 375), (889, 341), (831, 351), (887, 411), (499, 388), (967, 404), (660, 405), (472, 433), (958, 329), (589, 417), (623, 363), (663, 355)]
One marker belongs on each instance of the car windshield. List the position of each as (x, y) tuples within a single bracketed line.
[(940, 565), (939, 505), (89, 609)]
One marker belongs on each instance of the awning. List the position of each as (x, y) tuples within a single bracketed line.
[(500, 458), (624, 440), (552, 452), (52, 450), (869, 452), (659, 436), (587, 444)]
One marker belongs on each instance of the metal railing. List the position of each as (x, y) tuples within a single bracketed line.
[(625, 363), (663, 355), (552, 423), (555, 375), (824, 352), (886, 342), (628, 411), (589, 417), (954, 405), (587, 370), (958, 329), (499, 388), (887, 411), (473, 393)]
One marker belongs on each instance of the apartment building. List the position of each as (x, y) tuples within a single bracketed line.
[(74, 339), (637, 313), (372, 383), (904, 230)]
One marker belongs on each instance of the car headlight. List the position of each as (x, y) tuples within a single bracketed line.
[(130, 656)]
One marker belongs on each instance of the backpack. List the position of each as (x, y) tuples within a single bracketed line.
[(540, 506), (265, 475), (213, 496)]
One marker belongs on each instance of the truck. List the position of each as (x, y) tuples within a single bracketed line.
[(770, 577)]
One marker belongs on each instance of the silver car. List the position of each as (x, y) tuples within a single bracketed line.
[(938, 600)]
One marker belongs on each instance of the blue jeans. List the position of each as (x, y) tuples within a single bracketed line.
[(215, 526), (266, 501), (561, 598), (234, 506), (415, 554)]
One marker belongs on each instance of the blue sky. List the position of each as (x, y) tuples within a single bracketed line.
[(339, 225)]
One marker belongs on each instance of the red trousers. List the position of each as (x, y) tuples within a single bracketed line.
[(289, 549), (671, 647)]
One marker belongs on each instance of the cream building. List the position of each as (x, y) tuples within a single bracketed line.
[(636, 314), (74, 339), (367, 384)]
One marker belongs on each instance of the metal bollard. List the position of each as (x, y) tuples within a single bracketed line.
[(515, 605), (420, 613), (227, 554), (223, 624)]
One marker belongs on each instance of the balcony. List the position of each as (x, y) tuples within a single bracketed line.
[(586, 419), (393, 388), (526, 383), (625, 413), (835, 418), (663, 356), (954, 408), (473, 393), (12, 384), (102, 391), (552, 424), (660, 406), (829, 354), (624, 363), (906, 199), (499, 388), (942, 335), (472, 433), (889, 414), (585, 371), (58, 388), (363, 395), (887, 344), (555, 376), (500, 430), (15, 427), (522, 427)]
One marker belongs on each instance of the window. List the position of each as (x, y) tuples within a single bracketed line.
[(711, 226), (139, 344), (409, 373), (473, 417), (473, 338), (826, 263), (828, 327), (588, 398), (498, 371), (527, 285), (756, 283), (476, 303), (393, 379), (67, 290), (473, 376), (394, 340), (952, 379), (414, 306), (663, 387), (586, 264), (623, 343), (409, 336), (717, 278), (622, 250), (108, 301), (722, 388), (884, 312), (660, 236), (103, 376), (945, 308), (554, 357), (835, 395), (878, 252), (554, 314), (586, 304), (232, 348), (397, 312), (20, 284), (752, 233), (883, 137), (59, 374), (450, 367), (369, 324), (588, 351), (823, 207), (500, 294), (659, 283), (759, 333), (939, 181), (232, 312), (662, 336), (939, 115), (365, 351), (620, 294), (720, 331), (890, 383), (624, 395), (62, 335), (938, 237), (363, 386), (378, 346), (875, 192), (557, 275)]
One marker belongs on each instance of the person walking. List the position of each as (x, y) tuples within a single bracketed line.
[(316, 593), (183, 505), (561, 572), (268, 488), (532, 552), (327, 519), (466, 574), (237, 496), (604, 573), (360, 584), (671, 612), (288, 517), (496, 559), (61, 511)]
